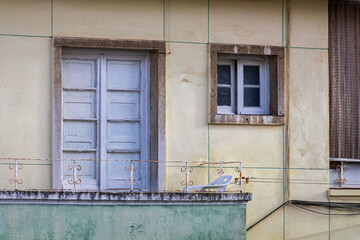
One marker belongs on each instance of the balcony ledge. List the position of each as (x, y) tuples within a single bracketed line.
[(122, 198), (343, 193)]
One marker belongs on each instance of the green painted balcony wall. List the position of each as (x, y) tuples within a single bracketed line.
[(53, 221)]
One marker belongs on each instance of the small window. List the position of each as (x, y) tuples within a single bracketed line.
[(243, 85), (247, 84)]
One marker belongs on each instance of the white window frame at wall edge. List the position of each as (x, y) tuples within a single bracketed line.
[(99, 56), (264, 108), (232, 108)]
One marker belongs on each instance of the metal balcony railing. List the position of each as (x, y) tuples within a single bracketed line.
[(346, 173), (35, 174)]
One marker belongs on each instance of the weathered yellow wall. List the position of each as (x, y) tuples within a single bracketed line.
[(188, 27), (25, 17), (246, 22), (127, 19), (308, 117), (186, 21), (260, 148), (25, 92)]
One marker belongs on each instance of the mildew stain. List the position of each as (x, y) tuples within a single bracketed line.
[(186, 80)]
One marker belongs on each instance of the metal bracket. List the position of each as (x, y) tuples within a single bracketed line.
[(342, 180), (16, 180), (132, 169), (239, 180), (187, 169), (74, 168)]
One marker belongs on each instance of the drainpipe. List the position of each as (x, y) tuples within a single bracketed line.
[(287, 99)]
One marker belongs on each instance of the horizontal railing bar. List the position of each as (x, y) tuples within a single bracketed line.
[(200, 163), (344, 160), (201, 166), (26, 164)]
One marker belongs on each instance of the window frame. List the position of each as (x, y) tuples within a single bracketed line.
[(157, 123), (233, 87), (275, 107), (237, 84)]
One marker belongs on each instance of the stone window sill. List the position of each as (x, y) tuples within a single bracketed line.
[(343, 193), (247, 119)]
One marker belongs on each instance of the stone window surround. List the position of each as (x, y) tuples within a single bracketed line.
[(277, 85), (157, 50)]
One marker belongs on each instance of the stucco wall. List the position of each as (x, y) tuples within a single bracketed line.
[(187, 27), (122, 222)]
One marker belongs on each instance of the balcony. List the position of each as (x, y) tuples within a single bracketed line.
[(28, 200)]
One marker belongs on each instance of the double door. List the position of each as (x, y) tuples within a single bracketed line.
[(105, 119)]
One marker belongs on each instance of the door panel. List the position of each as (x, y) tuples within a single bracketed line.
[(79, 74), (123, 136), (118, 169), (88, 169), (79, 104), (126, 123), (123, 105), (123, 74), (79, 124), (79, 135)]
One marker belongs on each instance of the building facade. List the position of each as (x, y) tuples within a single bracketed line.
[(208, 82)]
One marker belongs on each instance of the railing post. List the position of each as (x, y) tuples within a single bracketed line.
[(239, 180), (342, 169), (74, 174), (187, 169), (132, 169), (187, 176), (16, 180), (16, 173), (74, 168), (221, 170), (131, 176), (240, 176)]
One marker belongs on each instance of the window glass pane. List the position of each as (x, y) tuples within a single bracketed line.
[(251, 97), (224, 96), (251, 75), (224, 74)]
